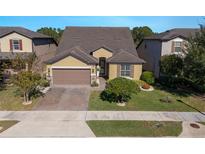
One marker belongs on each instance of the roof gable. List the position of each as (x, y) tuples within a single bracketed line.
[(184, 33), (22, 31), (125, 57), (75, 52)]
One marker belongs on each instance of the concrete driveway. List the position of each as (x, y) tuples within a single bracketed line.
[(69, 98), (49, 129)]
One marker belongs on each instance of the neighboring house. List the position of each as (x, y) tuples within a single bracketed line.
[(21, 41), (86, 53), (169, 42)]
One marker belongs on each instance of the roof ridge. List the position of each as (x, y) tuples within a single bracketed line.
[(95, 27)]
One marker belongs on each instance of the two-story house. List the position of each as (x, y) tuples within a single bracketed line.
[(20, 41), (169, 42)]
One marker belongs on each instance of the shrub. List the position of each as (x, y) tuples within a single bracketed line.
[(171, 65), (119, 90), (177, 82), (146, 86), (148, 77)]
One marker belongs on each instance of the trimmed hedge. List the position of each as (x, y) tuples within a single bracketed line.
[(148, 77)]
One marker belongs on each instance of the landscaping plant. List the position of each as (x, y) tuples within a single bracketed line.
[(146, 86), (171, 65), (119, 90), (28, 82), (188, 70), (194, 62), (148, 77)]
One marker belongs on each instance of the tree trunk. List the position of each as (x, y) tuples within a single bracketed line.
[(25, 99)]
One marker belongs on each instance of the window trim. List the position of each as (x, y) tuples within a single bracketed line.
[(125, 70), (177, 46), (13, 45)]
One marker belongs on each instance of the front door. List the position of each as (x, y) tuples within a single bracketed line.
[(103, 66)]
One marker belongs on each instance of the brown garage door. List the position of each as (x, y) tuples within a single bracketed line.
[(71, 76)]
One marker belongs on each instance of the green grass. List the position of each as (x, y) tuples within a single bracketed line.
[(149, 101), (203, 123), (7, 124), (135, 128), (10, 100)]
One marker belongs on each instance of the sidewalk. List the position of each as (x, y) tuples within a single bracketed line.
[(100, 115), (73, 123)]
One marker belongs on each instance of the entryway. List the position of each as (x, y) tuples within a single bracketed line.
[(103, 67)]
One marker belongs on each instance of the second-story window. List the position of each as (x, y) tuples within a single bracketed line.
[(16, 44), (177, 46)]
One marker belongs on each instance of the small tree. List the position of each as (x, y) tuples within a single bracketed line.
[(21, 62), (171, 65), (194, 62), (27, 82), (119, 90)]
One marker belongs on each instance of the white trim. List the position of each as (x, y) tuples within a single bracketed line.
[(72, 67), (93, 74)]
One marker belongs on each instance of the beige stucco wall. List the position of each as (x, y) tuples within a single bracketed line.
[(137, 71), (69, 62), (102, 53), (112, 71), (5, 43)]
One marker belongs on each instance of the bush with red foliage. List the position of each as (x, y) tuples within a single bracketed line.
[(146, 86)]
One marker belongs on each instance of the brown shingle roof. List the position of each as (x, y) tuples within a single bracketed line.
[(125, 57), (76, 52), (23, 31), (173, 33), (90, 39)]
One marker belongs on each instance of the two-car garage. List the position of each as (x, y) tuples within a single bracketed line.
[(71, 68), (70, 76)]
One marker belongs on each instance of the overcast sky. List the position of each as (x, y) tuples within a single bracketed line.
[(158, 24)]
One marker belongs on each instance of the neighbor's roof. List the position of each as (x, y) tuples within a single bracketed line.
[(89, 39), (76, 52), (23, 31), (125, 57), (12, 55), (173, 33)]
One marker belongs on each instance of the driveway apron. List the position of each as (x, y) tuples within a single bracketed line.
[(68, 98)]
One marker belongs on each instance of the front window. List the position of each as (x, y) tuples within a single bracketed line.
[(126, 70), (177, 46), (16, 44)]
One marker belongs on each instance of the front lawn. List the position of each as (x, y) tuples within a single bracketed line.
[(203, 123), (5, 124), (135, 128), (150, 101), (11, 100)]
